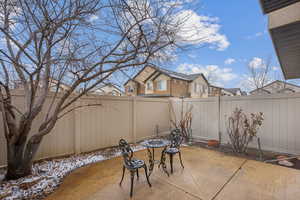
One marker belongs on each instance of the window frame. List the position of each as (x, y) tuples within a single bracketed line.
[(147, 85), (161, 85)]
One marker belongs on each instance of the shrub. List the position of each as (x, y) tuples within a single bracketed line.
[(242, 129)]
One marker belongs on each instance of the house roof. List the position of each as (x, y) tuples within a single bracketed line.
[(286, 89), (261, 89), (286, 42), (233, 90), (284, 29), (172, 74), (284, 82), (272, 5), (109, 85)]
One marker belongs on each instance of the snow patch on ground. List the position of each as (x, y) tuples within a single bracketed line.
[(47, 175)]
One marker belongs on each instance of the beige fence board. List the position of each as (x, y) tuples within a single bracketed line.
[(150, 114)]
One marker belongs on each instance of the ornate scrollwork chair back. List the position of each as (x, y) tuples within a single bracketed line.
[(127, 152), (176, 138), (132, 164)]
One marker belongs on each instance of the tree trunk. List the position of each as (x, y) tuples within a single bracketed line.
[(20, 158), (16, 167)]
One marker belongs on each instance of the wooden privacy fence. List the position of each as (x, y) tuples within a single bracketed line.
[(91, 128), (280, 131), (136, 118)]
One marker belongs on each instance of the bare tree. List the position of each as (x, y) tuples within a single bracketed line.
[(79, 43), (259, 72)]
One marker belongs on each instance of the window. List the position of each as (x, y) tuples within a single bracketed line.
[(198, 88), (205, 89), (195, 87), (202, 89), (149, 86), (162, 85), (130, 89)]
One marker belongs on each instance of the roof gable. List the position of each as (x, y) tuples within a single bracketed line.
[(275, 82), (169, 73)]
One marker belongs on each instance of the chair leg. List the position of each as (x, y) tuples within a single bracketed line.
[(180, 160), (122, 175), (131, 182), (146, 173), (171, 162), (137, 174)]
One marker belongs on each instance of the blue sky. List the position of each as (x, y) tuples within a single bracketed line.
[(245, 27)]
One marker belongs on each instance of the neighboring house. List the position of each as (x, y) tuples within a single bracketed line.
[(277, 87), (53, 85), (153, 81), (108, 89), (284, 28), (232, 92)]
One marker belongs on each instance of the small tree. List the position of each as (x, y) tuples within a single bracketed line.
[(242, 129), (185, 122)]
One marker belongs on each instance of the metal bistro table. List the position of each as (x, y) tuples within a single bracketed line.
[(156, 143)]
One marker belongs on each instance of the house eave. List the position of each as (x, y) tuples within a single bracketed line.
[(286, 40), (269, 6)]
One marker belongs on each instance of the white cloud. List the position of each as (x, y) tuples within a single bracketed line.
[(229, 61), (93, 18), (256, 35), (192, 55), (275, 68), (257, 63), (200, 29), (215, 75)]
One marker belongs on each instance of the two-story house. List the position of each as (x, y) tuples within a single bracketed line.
[(277, 87), (153, 81)]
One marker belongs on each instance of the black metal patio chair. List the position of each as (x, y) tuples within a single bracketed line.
[(176, 139), (132, 164)]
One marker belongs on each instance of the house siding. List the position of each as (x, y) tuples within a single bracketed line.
[(134, 86), (168, 88), (202, 84), (179, 88)]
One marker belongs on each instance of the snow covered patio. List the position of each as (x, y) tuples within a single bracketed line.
[(207, 175)]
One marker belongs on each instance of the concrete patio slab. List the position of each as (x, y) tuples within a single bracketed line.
[(257, 180), (207, 175), (205, 171)]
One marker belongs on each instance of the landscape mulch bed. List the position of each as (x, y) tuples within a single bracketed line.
[(252, 154)]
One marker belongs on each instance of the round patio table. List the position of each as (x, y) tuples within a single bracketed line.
[(152, 144)]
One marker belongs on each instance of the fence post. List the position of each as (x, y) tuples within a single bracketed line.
[(77, 144), (134, 119), (219, 119)]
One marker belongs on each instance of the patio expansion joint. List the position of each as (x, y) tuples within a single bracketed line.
[(230, 178), (182, 189)]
